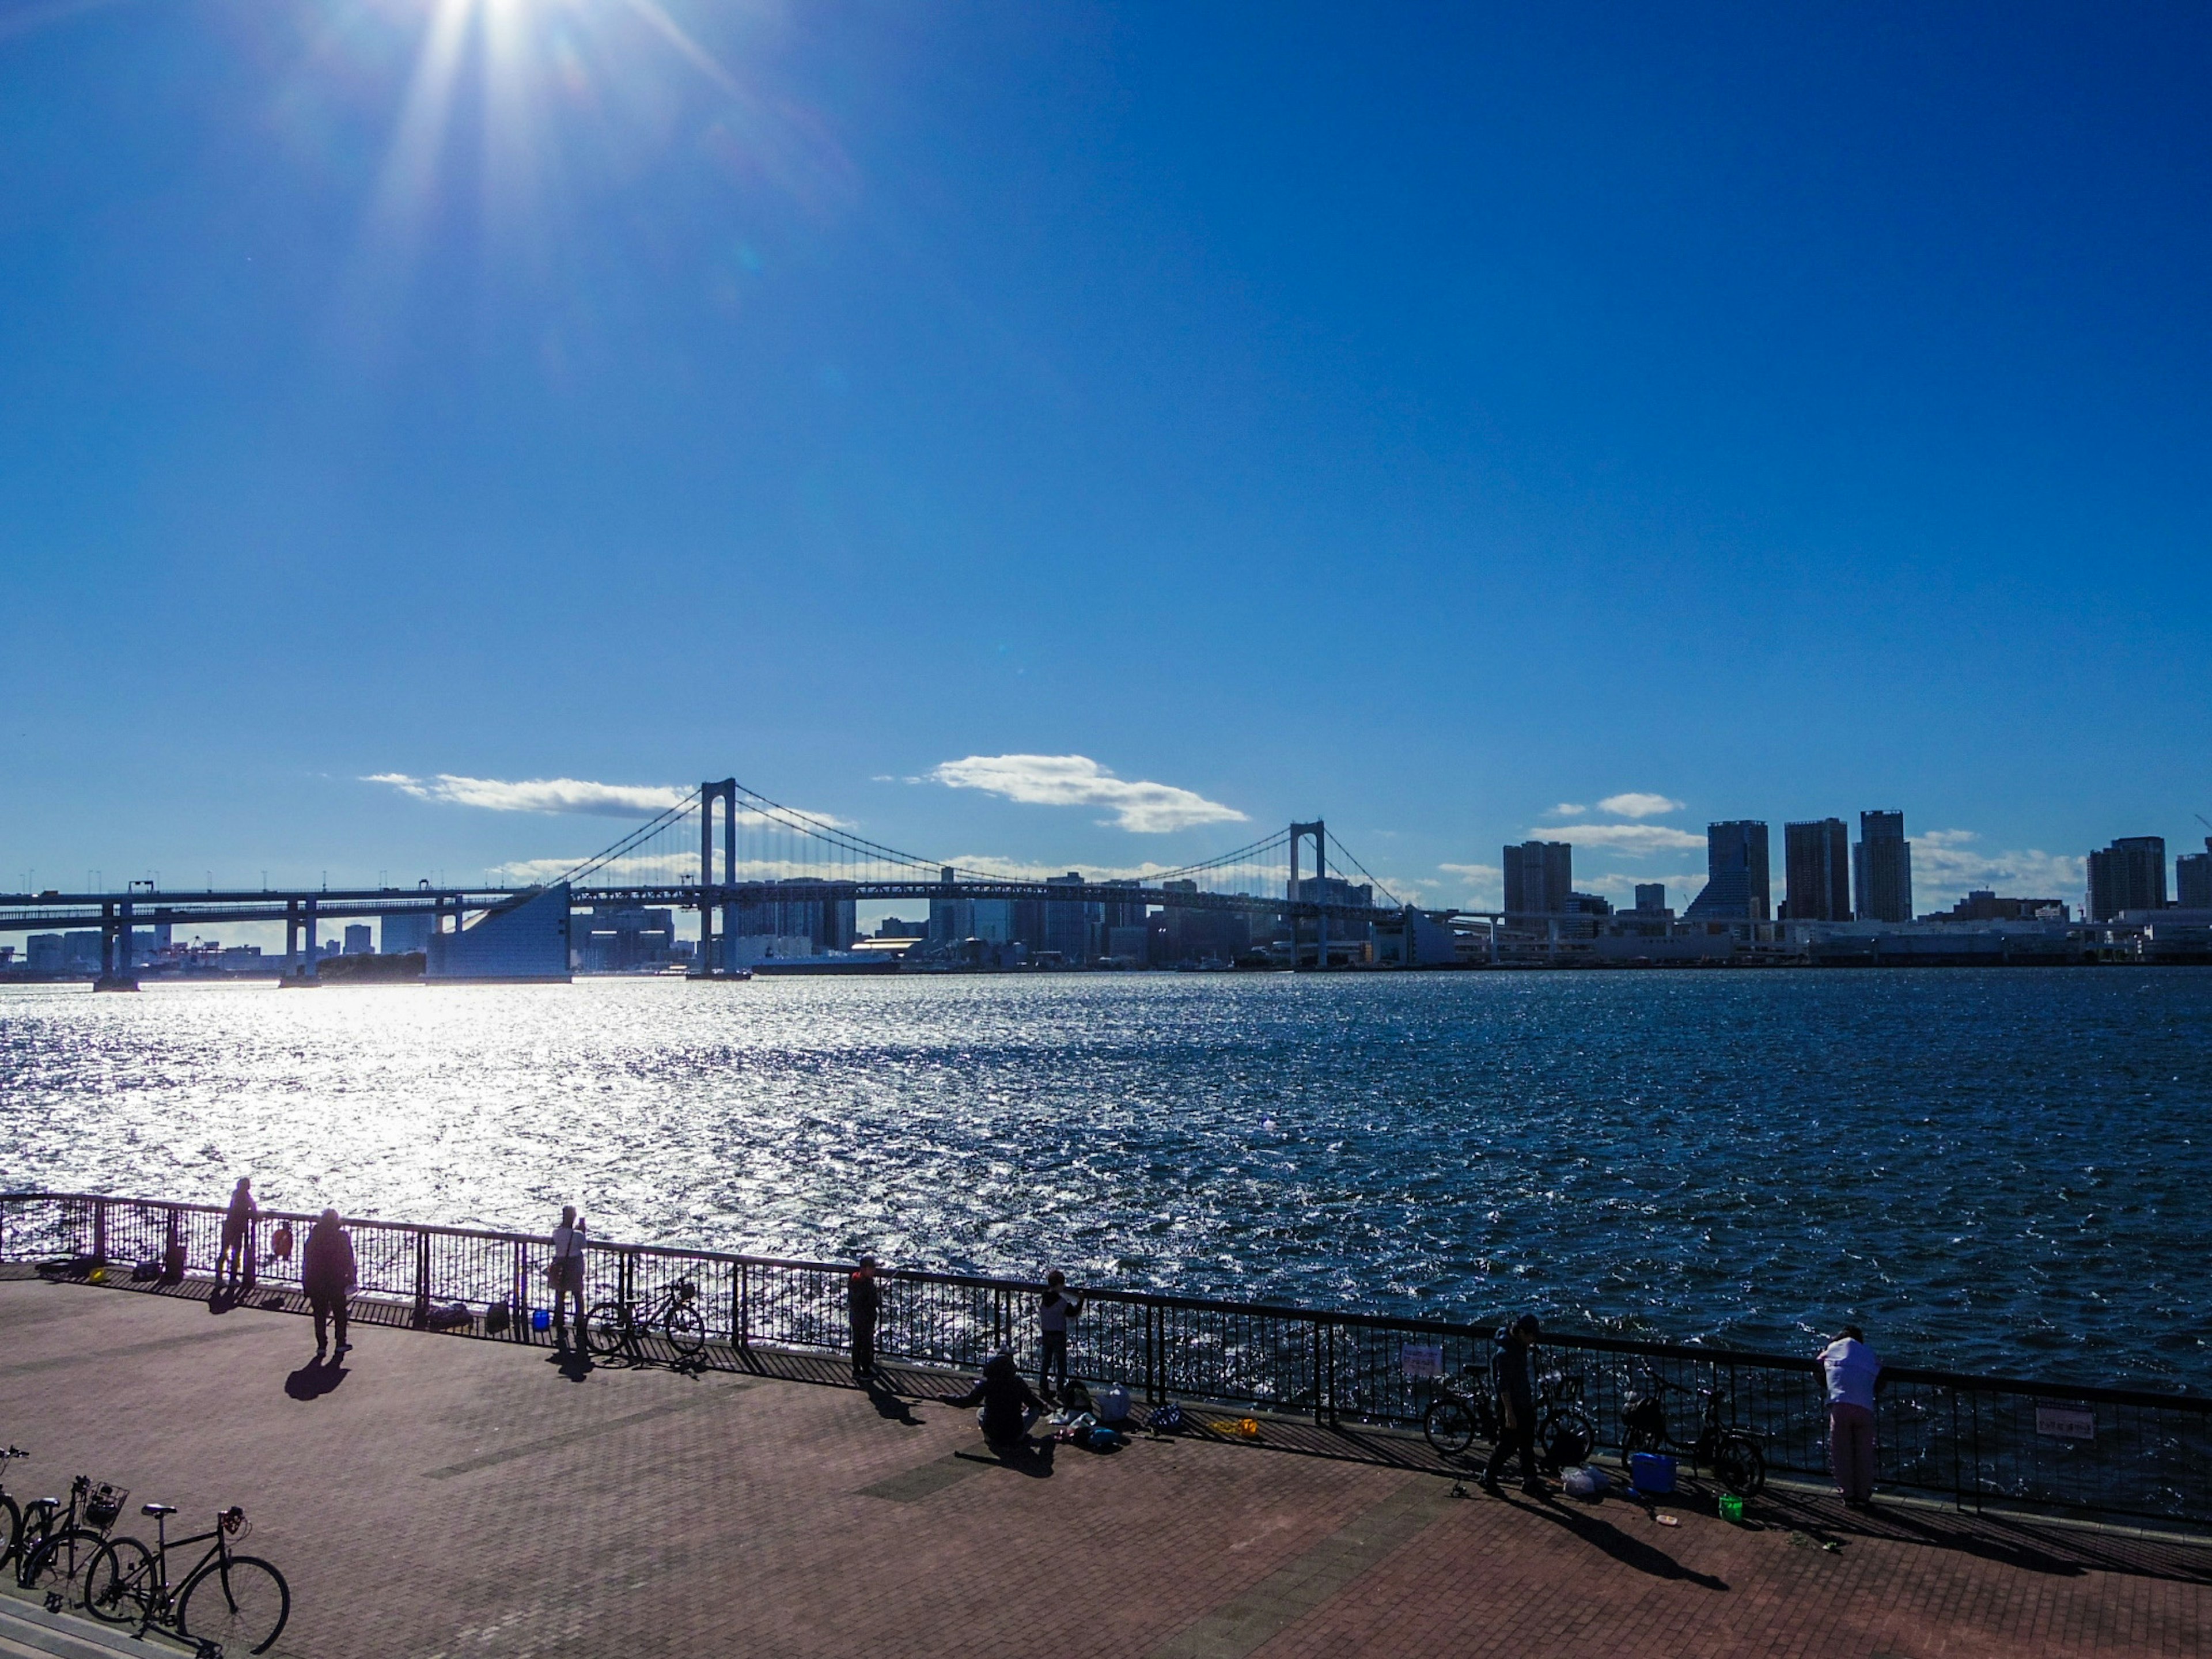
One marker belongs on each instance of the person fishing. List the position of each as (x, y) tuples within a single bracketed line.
[(1054, 1309), (864, 1300), (235, 1259)]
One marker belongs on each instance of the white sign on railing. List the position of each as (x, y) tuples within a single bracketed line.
[(1422, 1358), (2066, 1422)]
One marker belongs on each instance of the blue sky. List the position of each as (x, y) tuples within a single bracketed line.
[(1424, 418)]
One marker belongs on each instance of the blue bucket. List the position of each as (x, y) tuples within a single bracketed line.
[(1651, 1472), (542, 1320)]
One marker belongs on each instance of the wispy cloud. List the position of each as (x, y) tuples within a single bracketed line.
[(614, 801), (1482, 885), (1567, 809), (1946, 866), (1637, 803), (1077, 780), (1637, 840)]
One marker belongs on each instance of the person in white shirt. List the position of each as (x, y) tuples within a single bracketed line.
[(1054, 1309), (1853, 1374), (566, 1274)]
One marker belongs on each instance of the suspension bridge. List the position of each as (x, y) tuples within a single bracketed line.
[(745, 864)]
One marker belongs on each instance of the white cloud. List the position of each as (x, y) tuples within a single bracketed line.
[(1079, 780), (1636, 840), (1636, 804), (1567, 809), (1946, 866), (1483, 884), (539, 794)]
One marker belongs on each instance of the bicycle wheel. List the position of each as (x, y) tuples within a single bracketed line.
[(687, 1328), (63, 1564), (38, 1515), (1567, 1435), (11, 1528), (1740, 1464), (243, 1607), (1449, 1424), (606, 1333), (1637, 1437), (119, 1583)]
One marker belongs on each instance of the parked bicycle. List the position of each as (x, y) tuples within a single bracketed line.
[(11, 1515), (61, 1537), (1465, 1409), (231, 1603), (1734, 1455), (616, 1327)]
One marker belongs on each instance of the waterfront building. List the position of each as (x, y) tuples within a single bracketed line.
[(829, 921), (1539, 876), (42, 953), (1067, 924), (357, 941), (398, 935), (2128, 875), (1650, 896), (1738, 874), (1881, 868), (623, 939), (2192, 878), (1191, 934), (1816, 866), (893, 928), (1983, 904)]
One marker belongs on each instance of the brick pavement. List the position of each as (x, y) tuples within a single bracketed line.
[(452, 1498)]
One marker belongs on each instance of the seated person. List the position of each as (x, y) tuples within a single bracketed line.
[(1010, 1406)]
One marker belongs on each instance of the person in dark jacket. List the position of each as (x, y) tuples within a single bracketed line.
[(327, 1273), (863, 1301), (1009, 1405), (1516, 1406), (236, 1257)]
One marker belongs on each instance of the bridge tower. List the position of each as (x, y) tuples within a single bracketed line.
[(726, 793), (1319, 832)]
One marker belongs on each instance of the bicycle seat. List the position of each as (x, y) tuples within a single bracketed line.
[(156, 1510)]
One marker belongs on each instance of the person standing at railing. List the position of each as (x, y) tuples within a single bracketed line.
[(1516, 1406), (236, 1256), (1854, 1373), (1056, 1307), (328, 1273), (565, 1272), (864, 1300)]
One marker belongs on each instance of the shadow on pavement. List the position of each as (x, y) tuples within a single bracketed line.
[(1629, 1551), (315, 1379)]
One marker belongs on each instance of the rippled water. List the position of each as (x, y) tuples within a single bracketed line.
[(2007, 1171)]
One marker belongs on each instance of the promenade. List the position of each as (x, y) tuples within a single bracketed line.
[(441, 1497)]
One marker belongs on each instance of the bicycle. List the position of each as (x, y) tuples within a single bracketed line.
[(11, 1516), (61, 1538), (245, 1611), (1734, 1455), (1465, 1407), (616, 1325)]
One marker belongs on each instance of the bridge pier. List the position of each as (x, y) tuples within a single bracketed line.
[(1320, 834), (115, 973), (713, 954)]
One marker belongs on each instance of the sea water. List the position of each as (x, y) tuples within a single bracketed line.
[(2002, 1170)]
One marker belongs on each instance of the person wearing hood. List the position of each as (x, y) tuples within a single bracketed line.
[(1010, 1406), (327, 1273), (235, 1259)]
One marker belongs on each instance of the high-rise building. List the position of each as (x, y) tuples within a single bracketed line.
[(2128, 875), (1816, 862), (357, 941), (1067, 922), (1539, 876), (1738, 874), (2192, 878), (824, 916), (410, 931), (1881, 868), (1650, 896)]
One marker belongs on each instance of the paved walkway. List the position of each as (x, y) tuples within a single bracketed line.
[(443, 1496)]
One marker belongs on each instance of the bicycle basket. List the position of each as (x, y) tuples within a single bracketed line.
[(103, 1506)]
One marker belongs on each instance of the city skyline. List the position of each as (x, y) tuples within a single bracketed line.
[(1125, 425)]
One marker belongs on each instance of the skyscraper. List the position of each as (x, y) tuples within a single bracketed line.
[(1816, 861), (2128, 875), (2192, 878), (1881, 868), (1539, 876), (1738, 874), (1650, 896)]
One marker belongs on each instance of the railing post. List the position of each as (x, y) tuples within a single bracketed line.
[(1332, 1373), (421, 1278), (100, 1229), (1319, 1327), (743, 1332), (518, 1294)]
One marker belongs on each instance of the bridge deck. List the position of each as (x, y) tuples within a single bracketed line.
[(450, 1496)]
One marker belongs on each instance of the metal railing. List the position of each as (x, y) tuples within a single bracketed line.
[(1975, 1439)]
